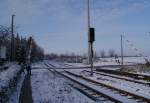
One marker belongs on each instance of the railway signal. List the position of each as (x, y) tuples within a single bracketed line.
[(92, 35), (91, 40)]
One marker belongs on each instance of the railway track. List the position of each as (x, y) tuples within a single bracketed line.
[(146, 83), (132, 96), (96, 90), (130, 77), (114, 72), (87, 90), (126, 74)]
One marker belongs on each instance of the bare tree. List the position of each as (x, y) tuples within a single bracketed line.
[(102, 54), (95, 56), (111, 53)]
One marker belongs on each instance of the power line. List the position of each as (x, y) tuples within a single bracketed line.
[(135, 49)]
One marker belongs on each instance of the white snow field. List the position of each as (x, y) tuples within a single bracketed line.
[(50, 88), (127, 60), (112, 61)]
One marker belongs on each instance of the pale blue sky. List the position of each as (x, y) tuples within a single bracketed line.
[(61, 25)]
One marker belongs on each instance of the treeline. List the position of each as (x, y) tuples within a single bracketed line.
[(20, 46), (110, 53), (68, 57), (62, 55), (102, 54)]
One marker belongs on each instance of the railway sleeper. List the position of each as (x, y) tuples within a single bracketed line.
[(85, 93)]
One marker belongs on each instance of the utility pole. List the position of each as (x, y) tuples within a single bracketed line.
[(88, 18), (91, 38), (12, 40), (122, 50)]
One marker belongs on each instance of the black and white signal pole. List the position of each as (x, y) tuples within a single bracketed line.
[(12, 40)]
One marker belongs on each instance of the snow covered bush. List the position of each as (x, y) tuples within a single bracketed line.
[(8, 81)]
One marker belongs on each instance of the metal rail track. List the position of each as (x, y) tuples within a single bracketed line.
[(127, 74), (122, 92), (94, 93), (88, 91), (122, 78), (88, 67), (119, 77), (115, 72)]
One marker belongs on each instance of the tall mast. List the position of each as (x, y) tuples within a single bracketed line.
[(88, 20)]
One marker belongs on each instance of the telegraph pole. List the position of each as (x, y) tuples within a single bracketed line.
[(122, 50), (12, 39)]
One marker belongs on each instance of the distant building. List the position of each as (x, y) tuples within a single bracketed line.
[(2, 52)]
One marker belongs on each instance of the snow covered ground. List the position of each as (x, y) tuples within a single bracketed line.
[(127, 61), (136, 88), (112, 61), (118, 83), (122, 84), (50, 88), (7, 75), (14, 97), (8, 83)]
